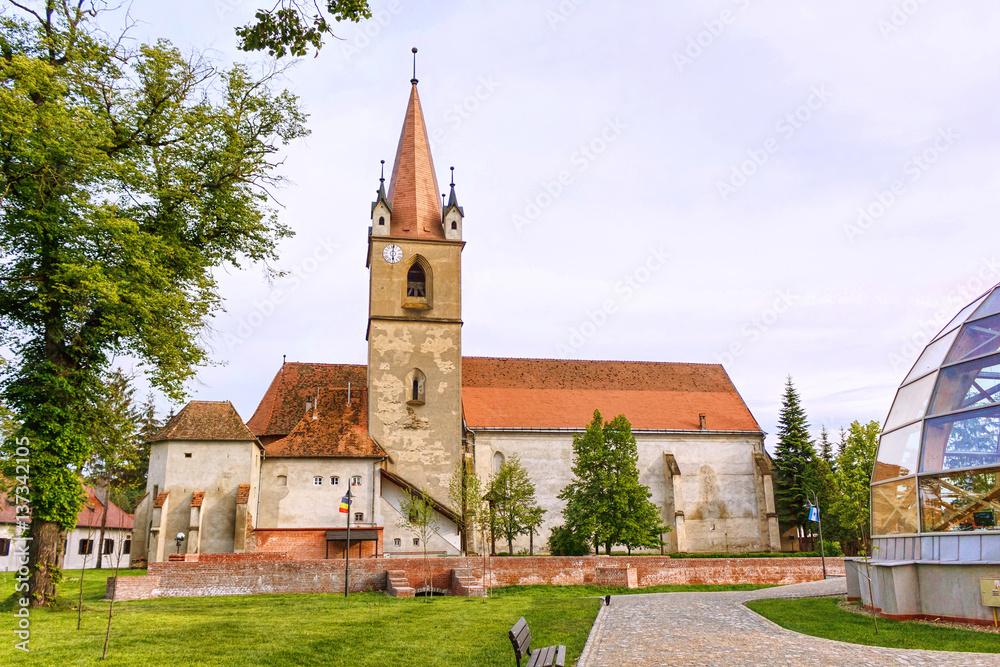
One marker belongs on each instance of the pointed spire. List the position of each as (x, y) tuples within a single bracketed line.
[(381, 191), (452, 198), (413, 188)]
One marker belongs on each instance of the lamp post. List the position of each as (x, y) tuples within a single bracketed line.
[(179, 539), (347, 552), (819, 520)]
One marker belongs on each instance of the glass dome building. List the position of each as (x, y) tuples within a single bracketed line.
[(938, 464), (935, 487)]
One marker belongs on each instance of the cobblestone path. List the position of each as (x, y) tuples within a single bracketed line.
[(716, 629)]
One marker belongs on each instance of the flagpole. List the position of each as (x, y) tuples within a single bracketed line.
[(347, 553)]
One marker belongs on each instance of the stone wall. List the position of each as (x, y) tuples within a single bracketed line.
[(246, 574)]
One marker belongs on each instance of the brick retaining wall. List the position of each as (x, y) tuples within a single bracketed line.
[(245, 574)]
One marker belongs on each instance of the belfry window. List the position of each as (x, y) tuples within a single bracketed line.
[(416, 282)]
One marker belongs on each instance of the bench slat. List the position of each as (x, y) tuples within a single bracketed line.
[(560, 660)]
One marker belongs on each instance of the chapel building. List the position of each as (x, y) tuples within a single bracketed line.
[(403, 422)]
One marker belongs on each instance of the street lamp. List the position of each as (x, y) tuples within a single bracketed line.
[(179, 539)]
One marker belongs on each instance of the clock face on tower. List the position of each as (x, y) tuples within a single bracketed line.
[(392, 253)]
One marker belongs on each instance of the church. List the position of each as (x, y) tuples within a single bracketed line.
[(403, 422)]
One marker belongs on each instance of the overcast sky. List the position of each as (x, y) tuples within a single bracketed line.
[(801, 189)]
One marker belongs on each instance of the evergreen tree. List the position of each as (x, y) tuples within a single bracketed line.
[(515, 511), (795, 460), (605, 503), (826, 447)]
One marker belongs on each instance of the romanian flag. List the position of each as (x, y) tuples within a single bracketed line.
[(345, 505)]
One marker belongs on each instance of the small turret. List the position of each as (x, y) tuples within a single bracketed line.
[(381, 209), (452, 214)]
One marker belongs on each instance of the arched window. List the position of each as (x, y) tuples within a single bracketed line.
[(416, 282), (418, 290), (415, 387), (454, 225), (497, 462), (381, 220)]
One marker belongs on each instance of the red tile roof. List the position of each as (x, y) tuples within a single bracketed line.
[(413, 189), (284, 403), (161, 499), (89, 516), (551, 393), (205, 420), (331, 428), (197, 498)]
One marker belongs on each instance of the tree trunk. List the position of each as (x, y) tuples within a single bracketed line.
[(510, 547), (44, 560), (104, 490), (607, 548), (531, 543)]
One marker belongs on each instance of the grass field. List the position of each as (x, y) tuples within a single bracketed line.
[(822, 617), (368, 629)]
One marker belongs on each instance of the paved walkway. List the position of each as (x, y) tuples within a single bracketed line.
[(716, 629)]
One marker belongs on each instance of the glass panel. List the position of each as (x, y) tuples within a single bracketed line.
[(898, 453), (991, 306), (894, 507), (964, 440), (972, 384), (966, 501), (962, 316), (977, 338), (932, 357), (911, 402)]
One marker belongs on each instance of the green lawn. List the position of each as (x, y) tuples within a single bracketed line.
[(366, 629), (821, 617)]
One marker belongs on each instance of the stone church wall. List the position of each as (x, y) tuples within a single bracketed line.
[(718, 493)]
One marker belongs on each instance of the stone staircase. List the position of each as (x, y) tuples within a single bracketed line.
[(397, 585), (465, 584)]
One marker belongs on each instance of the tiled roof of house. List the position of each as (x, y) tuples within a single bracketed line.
[(205, 420), (331, 428), (89, 516), (413, 189), (284, 403), (551, 393)]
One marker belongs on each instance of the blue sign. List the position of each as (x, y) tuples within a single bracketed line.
[(813, 512)]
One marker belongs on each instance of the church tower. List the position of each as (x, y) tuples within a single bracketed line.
[(415, 316)]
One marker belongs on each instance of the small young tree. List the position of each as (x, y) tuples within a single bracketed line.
[(421, 519), (512, 495), (795, 460), (465, 491)]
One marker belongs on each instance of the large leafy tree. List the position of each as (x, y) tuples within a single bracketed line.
[(855, 462), (127, 175), (795, 460), (605, 503), (513, 507), (291, 27)]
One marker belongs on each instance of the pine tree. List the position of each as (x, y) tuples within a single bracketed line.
[(795, 459), (826, 447)]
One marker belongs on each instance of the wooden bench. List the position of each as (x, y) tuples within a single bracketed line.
[(550, 656)]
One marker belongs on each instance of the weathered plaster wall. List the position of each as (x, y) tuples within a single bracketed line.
[(216, 468), (718, 491), (445, 541), (423, 441), (301, 504)]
